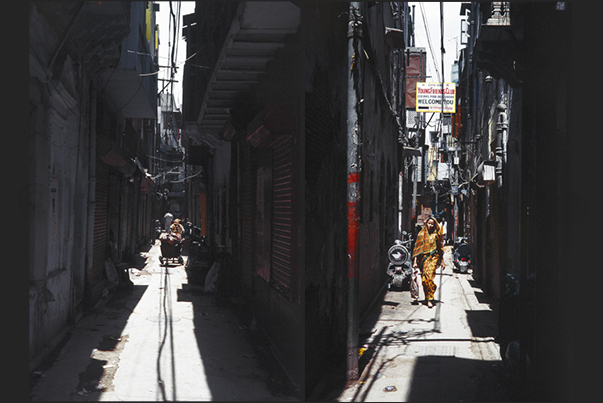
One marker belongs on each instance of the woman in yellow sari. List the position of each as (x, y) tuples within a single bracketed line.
[(427, 255)]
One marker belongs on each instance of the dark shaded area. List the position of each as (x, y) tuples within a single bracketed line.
[(47, 363), (207, 313), (108, 343), (325, 197), (90, 378), (437, 378), (481, 323), (333, 380)]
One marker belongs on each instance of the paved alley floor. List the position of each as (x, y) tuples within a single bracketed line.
[(446, 353), (164, 340)]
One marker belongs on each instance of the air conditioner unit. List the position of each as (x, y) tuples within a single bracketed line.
[(486, 173)]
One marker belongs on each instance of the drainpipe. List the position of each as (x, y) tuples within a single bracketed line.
[(353, 195), (501, 131), (416, 171), (413, 26)]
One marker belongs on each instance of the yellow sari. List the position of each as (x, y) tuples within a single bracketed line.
[(429, 253)]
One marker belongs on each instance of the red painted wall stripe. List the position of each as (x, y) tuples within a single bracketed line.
[(353, 230)]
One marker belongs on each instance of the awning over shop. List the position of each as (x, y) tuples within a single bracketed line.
[(276, 119), (114, 156), (256, 33), (146, 182)]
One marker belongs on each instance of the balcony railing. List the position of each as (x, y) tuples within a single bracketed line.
[(501, 14)]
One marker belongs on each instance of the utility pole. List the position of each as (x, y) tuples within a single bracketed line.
[(441, 136), (415, 165), (353, 196)]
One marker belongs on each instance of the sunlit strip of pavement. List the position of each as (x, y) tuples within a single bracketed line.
[(446, 353), (163, 360), (162, 340)]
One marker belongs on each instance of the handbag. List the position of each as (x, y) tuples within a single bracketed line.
[(414, 284)]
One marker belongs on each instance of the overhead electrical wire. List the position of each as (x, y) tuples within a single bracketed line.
[(169, 72), (175, 18), (433, 58), (428, 35)]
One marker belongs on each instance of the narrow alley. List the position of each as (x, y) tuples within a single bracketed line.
[(447, 353), (163, 340), (280, 149)]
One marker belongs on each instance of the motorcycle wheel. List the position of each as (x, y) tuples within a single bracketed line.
[(398, 283)]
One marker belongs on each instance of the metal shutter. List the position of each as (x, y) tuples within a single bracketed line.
[(100, 223), (281, 275), (248, 188), (495, 234)]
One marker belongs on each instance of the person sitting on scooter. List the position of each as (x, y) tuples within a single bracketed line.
[(176, 227), (174, 236)]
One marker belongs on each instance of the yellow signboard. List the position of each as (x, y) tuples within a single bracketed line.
[(429, 97)]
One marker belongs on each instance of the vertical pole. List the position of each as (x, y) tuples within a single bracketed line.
[(400, 200), (442, 111), (413, 26), (401, 105), (443, 51), (416, 171), (353, 194)]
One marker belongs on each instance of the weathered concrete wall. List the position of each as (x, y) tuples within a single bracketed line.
[(280, 317), (326, 197), (379, 138), (379, 201), (61, 161), (325, 186), (59, 192)]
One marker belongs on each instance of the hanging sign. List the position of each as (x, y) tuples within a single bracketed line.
[(429, 97)]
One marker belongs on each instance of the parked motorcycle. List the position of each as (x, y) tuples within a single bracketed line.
[(198, 262), (400, 267), (158, 229), (462, 255)]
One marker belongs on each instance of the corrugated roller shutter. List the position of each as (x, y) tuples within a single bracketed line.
[(100, 222), (282, 214), (495, 245), (321, 126), (124, 218), (248, 184), (113, 210)]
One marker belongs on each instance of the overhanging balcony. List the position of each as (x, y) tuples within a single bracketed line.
[(256, 32), (132, 85), (496, 48)]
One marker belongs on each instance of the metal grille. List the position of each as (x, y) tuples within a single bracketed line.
[(100, 223), (124, 224), (495, 248), (248, 185), (412, 118), (282, 214)]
